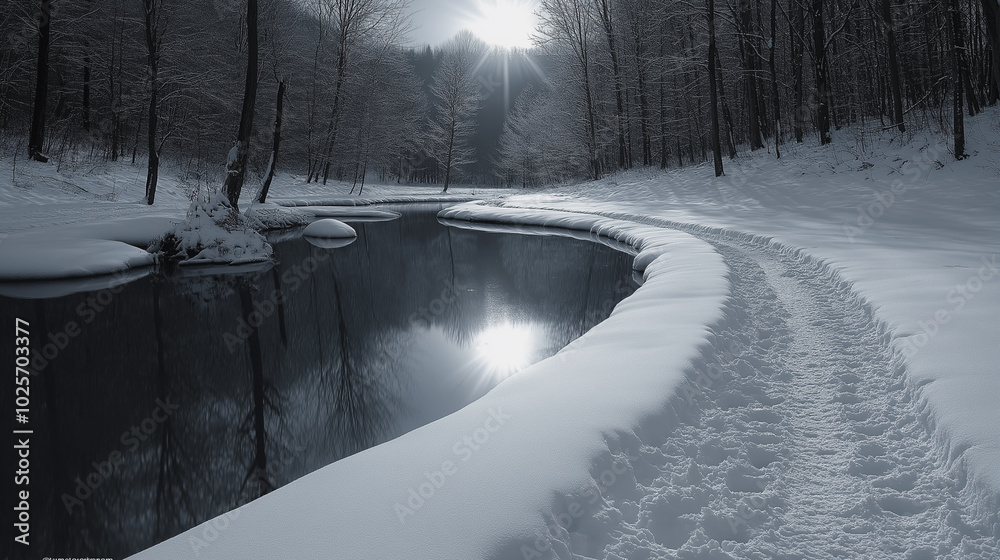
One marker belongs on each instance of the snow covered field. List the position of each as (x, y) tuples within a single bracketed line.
[(808, 371)]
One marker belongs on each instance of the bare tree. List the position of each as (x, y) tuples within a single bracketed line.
[(822, 73), (991, 16), (355, 22), (957, 48), (153, 57), (236, 167), (604, 11), (457, 99), (895, 86), (568, 23), (713, 104), (36, 140), (275, 142)]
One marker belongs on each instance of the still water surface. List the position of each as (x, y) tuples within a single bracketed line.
[(183, 397)]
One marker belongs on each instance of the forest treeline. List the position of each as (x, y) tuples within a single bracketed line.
[(330, 89)]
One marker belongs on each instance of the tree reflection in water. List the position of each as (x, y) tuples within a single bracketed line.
[(378, 338)]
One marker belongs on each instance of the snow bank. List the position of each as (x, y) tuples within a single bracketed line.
[(53, 288), (915, 234), (462, 486), (49, 256), (326, 200), (329, 229)]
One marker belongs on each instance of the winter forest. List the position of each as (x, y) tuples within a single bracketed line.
[(335, 90), (500, 279)]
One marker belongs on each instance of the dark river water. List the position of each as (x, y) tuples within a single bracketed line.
[(167, 401)]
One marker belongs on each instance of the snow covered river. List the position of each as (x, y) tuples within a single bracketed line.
[(165, 402)]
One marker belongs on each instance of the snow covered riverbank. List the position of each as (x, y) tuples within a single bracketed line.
[(777, 387), (809, 370), (464, 485), (914, 234), (63, 223)]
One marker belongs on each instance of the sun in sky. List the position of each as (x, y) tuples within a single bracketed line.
[(504, 23)]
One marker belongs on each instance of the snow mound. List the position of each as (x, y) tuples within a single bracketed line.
[(50, 255), (212, 233), (329, 229)]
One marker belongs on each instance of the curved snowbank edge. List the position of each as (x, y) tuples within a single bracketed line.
[(351, 201), (469, 484), (977, 459)]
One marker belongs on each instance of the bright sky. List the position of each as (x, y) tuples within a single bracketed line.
[(499, 22)]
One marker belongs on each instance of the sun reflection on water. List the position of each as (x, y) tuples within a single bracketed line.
[(506, 348)]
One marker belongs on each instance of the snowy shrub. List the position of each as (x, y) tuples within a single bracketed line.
[(212, 232)]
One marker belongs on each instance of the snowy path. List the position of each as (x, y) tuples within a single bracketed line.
[(798, 439)]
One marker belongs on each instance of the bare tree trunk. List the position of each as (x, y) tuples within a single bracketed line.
[(36, 139), (153, 56), (313, 158), (86, 90), (796, 27), (647, 143), (776, 102), (747, 46), (895, 87), (595, 165), (447, 168), (364, 170), (117, 142), (713, 104), (991, 14), (623, 157), (664, 151), (727, 115), (138, 133), (957, 67), (275, 144), (114, 106), (331, 138), (236, 170), (822, 74)]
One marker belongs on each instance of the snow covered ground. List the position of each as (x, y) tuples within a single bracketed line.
[(85, 219), (808, 371)]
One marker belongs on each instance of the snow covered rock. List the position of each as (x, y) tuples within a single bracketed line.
[(329, 229)]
